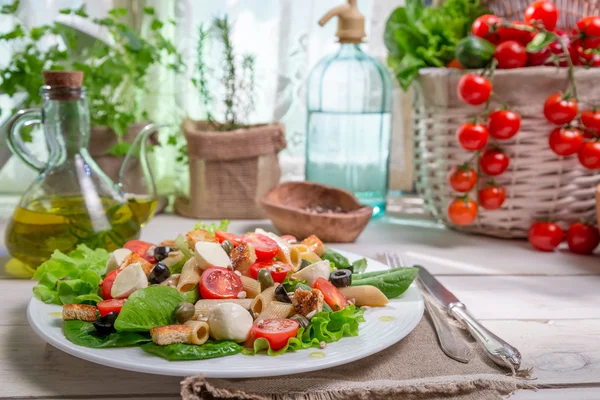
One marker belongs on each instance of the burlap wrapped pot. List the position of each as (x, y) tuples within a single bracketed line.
[(230, 170)]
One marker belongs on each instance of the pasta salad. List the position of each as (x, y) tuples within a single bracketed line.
[(211, 293)]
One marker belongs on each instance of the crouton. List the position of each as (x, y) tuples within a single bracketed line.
[(79, 312), (199, 235), (315, 244), (242, 258), (170, 334), (170, 243), (307, 301), (133, 258)]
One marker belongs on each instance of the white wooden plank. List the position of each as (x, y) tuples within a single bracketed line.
[(14, 297), (558, 394)]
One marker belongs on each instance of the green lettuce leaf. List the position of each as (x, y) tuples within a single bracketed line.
[(83, 333), (191, 296), (71, 278), (359, 266), (148, 308), (223, 225), (392, 283), (182, 352)]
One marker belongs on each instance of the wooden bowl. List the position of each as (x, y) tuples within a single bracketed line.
[(598, 205), (285, 205)]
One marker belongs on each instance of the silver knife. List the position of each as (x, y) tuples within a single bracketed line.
[(497, 349)]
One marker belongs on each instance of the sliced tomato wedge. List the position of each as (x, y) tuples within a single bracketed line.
[(264, 246), (333, 297), (232, 237), (107, 283), (290, 239), (141, 248), (220, 283), (111, 305), (277, 331), (278, 269)]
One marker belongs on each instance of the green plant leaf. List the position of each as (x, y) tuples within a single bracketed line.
[(10, 8), (156, 25), (540, 41), (408, 69), (149, 11), (119, 149), (148, 308), (81, 11), (118, 12), (16, 33), (182, 352), (84, 334), (414, 10)]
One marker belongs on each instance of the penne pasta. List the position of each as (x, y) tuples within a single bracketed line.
[(203, 307), (199, 333), (295, 258), (261, 301), (306, 253), (366, 295), (251, 287), (275, 309), (189, 276)]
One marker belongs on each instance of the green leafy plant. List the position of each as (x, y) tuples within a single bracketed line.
[(116, 76)]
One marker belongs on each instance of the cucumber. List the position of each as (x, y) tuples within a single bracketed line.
[(474, 52)]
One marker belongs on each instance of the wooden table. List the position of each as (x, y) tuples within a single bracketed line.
[(547, 305)]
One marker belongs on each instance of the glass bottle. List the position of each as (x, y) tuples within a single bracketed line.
[(349, 116), (72, 201)]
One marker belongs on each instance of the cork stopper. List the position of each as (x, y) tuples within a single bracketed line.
[(64, 85), (351, 23)]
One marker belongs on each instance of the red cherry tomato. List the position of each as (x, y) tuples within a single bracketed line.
[(591, 120), (486, 27), (494, 162), (575, 50), (462, 211), (565, 141), (492, 197), (510, 54), (472, 136), (545, 236), (279, 270), (220, 283), (589, 155), (539, 58), (232, 237), (560, 110), (142, 249), (582, 238), (332, 295), (542, 12), (504, 124), (264, 246), (590, 31), (111, 305), (556, 48), (519, 35), (107, 283), (277, 331), (590, 134), (463, 178), (474, 89)]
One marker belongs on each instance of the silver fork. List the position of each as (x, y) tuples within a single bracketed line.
[(449, 338)]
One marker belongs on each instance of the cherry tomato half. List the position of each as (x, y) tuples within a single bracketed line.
[(472, 136), (582, 238), (220, 283), (545, 236), (277, 331), (332, 295), (560, 110), (589, 155), (107, 283), (462, 211), (474, 89), (232, 237), (278, 269), (589, 27), (542, 12), (492, 197), (462, 178), (591, 120), (111, 305), (264, 246), (504, 124), (494, 162), (565, 141), (510, 54), (142, 249), (486, 27)]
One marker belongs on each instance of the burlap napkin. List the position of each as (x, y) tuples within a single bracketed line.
[(415, 368)]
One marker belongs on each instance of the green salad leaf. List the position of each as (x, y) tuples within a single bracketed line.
[(182, 352), (191, 296), (359, 266), (84, 334), (71, 278), (148, 308), (339, 260), (223, 225), (392, 283)]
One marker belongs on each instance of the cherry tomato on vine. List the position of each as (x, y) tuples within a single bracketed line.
[(591, 119), (519, 35), (565, 141), (494, 162), (511, 54), (504, 124), (474, 89), (472, 136), (539, 58), (590, 32), (542, 12), (560, 109), (487, 27), (590, 134), (556, 48), (589, 155), (582, 238), (462, 178), (492, 197), (545, 236), (462, 211)]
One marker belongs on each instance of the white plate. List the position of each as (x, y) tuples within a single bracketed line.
[(375, 335)]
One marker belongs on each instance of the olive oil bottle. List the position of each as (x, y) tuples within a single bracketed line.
[(72, 201)]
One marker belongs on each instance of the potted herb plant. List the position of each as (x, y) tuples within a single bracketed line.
[(232, 163)]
